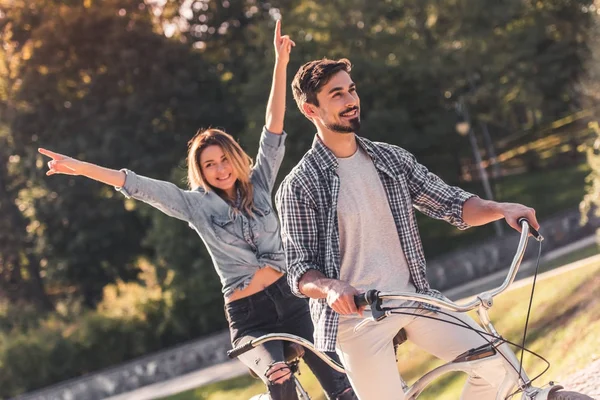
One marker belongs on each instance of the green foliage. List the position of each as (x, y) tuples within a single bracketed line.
[(58, 351), (591, 201), (20, 272), (105, 341), (18, 317)]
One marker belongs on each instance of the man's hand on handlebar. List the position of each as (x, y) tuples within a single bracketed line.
[(340, 297), (512, 212)]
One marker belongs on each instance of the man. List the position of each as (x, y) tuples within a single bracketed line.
[(348, 225)]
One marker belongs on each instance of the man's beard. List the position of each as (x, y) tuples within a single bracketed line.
[(339, 128)]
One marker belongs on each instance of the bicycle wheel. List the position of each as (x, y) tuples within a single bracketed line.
[(565, 395)]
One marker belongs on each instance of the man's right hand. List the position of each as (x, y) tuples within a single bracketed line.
[(340, 297), (339, 294)]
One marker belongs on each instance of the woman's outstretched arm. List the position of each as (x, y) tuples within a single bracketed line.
[(61, 164), (276, 105), (164, 196)]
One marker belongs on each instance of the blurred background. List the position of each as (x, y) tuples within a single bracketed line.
[(499, 97)]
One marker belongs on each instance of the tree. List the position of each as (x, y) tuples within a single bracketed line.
[(20, 266), (99, 84)]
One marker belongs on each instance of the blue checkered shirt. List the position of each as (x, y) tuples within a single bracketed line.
[(307, 204)]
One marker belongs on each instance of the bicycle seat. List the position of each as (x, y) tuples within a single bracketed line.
[(291, 352)]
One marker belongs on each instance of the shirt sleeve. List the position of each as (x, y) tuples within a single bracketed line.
[(432, 196), (162, 195), (268, 160), (299, 232)]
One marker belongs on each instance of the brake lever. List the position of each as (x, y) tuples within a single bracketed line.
[(377, 314), (536, 235), (363, 323)]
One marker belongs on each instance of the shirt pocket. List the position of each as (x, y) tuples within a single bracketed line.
[(226, 229), (265, 220)]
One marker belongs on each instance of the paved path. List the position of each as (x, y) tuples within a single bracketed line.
[(215, 373), (586, 381), (235, 368)]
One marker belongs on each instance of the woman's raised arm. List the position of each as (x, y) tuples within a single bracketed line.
[(276, 105), (271, 148)]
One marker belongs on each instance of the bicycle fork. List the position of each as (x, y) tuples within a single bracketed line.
[(302, 394)]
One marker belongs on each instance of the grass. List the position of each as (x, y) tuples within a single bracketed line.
[(565, 259), (564, 328)]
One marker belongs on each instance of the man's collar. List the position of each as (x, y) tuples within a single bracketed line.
[(328, 160), (325, 157)]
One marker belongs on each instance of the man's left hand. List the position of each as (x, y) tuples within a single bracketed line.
[(513, 211)]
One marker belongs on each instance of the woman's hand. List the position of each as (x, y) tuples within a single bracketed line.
[(61, 164), (275, 112), (283, 45)]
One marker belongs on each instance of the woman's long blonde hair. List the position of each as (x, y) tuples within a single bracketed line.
[(241, 162)]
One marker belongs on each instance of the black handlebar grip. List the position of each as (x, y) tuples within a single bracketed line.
[(360, 300), (365, 299), (533, 232), (238, 351)]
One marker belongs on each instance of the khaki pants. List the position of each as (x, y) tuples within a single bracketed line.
[(368, 355)]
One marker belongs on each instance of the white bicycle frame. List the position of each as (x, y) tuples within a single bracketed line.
[(483, 302)]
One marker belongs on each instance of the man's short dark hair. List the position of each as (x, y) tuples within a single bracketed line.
[(312, 76)]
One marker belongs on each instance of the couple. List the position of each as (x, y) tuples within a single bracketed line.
[(329, 247)]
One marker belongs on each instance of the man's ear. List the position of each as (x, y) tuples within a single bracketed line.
[(309, 110)]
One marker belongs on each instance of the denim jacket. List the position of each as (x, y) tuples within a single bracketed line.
[(239, 245)]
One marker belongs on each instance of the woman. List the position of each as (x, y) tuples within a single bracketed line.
[(230, 207)]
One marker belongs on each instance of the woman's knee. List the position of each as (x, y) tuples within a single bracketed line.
[(278, 373), (280, 383)]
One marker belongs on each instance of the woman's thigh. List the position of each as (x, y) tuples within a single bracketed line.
[(261, 358), (299, 322)]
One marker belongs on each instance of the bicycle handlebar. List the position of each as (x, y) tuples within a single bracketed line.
[(238, 351), (532, 230), (367, 298), (372, 296)]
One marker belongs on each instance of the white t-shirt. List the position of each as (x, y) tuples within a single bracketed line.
[(370, 248)]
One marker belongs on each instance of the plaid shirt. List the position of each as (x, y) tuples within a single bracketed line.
[(307, 204)]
